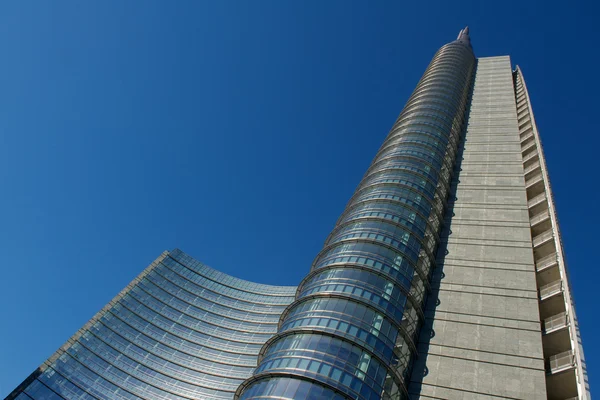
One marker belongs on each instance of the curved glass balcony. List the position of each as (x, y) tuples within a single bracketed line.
[(352, 328)]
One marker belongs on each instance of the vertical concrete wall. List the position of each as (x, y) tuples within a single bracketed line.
[(482, 337)]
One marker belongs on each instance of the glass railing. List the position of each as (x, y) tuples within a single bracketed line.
[(555, 322), (530, 156), (529, 146), (536, 200), (550, 289), (524, 132), (533, 180), (560, 361), (542, 238), (536, 219), (523, 118), (532, 167), (546, 262), (525, 124), (527, 140)]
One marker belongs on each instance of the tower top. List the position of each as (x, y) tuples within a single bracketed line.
[(463, 37)]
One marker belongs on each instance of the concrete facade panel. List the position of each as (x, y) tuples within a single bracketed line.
[(485, 215), (449, 377), (482, 336)]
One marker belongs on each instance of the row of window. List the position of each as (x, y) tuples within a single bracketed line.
[(372, 251), (414, 149), (378, 197), (368, 276), (329, 259), (84, 376), (205, 310), (343, 312), (343, 379), (420, 138), (368, 337), (397, 193), (117, 352), (259, 312), (226, 352), (37, 390), (63, 386), (437, 106), (450, 86), (289, 388), (226, 281), (415, 122), (442, 94), (168, 360), (220, 277), (447, 65), (195, 330), (424, 132), (338, 355), (406, 178), (396, 162), (368, 280), (407, 250), (404, 215), (198, 361), (222, 328), (126, 374), (393, 309)]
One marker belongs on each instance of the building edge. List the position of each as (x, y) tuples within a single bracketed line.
[(523, 100), (61, 350), (235, 289)]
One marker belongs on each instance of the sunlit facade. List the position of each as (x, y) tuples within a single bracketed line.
[(354, 325), (180, 330), (444, 277)]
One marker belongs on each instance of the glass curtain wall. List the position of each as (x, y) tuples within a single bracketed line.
[(351, 331), (180, 330)]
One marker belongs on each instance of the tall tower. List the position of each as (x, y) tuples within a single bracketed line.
[(443, 278), (353, 328), (500, 320)]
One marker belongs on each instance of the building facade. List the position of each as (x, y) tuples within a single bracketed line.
[(180, 330), (500, 322), (444, 278)]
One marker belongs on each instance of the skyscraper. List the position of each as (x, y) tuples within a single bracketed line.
[(444, 277)]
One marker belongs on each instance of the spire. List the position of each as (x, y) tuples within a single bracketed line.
[(463, 37)]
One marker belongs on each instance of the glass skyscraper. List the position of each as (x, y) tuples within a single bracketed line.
[(444, 278)]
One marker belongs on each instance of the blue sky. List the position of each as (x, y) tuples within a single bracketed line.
[(237, 132)]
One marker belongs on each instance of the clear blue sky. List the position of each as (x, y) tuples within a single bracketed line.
[(237, 132)]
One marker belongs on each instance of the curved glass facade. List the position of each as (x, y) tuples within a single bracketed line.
[(180, 330), (352, 329)]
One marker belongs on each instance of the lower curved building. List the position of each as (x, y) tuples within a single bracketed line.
[(180, 330), (443, 278)]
